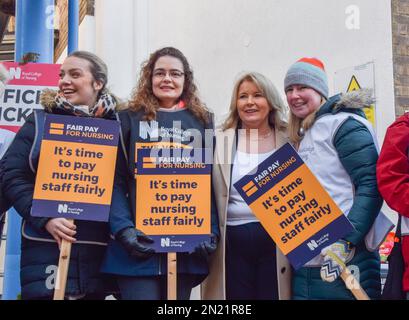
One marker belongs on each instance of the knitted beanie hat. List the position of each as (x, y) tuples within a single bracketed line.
[(309, 72)]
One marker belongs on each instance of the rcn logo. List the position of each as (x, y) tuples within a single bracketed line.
[(312, 245), (62, 208), (146, 130), (165, 242), (15, 73)]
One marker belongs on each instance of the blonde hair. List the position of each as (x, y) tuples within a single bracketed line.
[(277, 113), (297, 126)]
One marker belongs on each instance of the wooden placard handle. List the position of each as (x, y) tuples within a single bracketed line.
[(62, 272), (172, 276), (353, 285)]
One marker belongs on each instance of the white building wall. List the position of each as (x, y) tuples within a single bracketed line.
[(115, 37), (224, 37), (87, 31)]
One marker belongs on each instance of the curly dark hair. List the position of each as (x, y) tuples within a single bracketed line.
[(144, 99)]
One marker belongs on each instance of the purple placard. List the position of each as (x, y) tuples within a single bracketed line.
[(282, 156), (70, 210), (313, 246), (173, 161), (177, 243), (81, 130)]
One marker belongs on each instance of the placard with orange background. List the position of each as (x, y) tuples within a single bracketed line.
[(76, 168), (293, 207)]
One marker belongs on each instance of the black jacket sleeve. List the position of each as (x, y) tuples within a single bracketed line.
[(18, 179), (120, 216), (4, 203)]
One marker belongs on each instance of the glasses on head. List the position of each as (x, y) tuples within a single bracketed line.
[(173, 74)]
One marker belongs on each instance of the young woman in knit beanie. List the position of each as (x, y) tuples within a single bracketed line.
[(337, 143)]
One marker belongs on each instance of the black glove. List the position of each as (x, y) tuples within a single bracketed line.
[(206, 248), (132, 240)]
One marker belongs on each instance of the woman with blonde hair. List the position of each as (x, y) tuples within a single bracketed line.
[(247, 263)]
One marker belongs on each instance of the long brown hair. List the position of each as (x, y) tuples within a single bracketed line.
[(144, 99)]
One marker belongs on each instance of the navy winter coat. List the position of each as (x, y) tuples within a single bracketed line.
[(39, 254), (122, 214)]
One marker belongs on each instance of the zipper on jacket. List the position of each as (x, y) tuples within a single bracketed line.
[(25, 235)]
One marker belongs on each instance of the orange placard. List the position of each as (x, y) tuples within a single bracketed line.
[(176, 205), (293, 207), (301, 209), (76, 168), (72, 177)]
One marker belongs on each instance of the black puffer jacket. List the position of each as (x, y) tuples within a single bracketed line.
[(4, 203)]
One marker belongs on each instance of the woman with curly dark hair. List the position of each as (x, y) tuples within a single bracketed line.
[(165, 112), (148, 98)]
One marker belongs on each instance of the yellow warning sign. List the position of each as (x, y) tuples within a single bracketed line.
[(353, 85), (370, 111)]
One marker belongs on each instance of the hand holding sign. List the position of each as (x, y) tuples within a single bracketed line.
[(334, 266), (61, 229), (292, 206), (335, 257), (206, 248), (132, 239), (173, 204), (74, 179), (297, 211)]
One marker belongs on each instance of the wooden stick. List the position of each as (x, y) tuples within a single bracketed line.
[(353, 285), (172, 276), (63, 264)]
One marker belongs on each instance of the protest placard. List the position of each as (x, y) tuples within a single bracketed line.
[(173, 198), (292, 206), (23, 91), (21, 96), (76, 168)]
